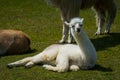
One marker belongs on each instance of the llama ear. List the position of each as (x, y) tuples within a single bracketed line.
[(67, 23), (82, 19)]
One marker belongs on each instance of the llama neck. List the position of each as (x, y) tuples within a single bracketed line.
[(82, 40), (85, 45)]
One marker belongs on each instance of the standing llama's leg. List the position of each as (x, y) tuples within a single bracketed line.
[(71, 14), (67, 14), (65, 27), (65, 32), (110, 19), (70, 37), (100, 19)]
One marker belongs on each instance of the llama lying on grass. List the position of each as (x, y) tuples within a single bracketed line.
[(13, 42), (65, 57), (70, 9)]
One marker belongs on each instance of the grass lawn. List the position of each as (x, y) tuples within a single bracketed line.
[(43, 24)]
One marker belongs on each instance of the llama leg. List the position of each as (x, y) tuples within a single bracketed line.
[(71, 14), (64, 33), (58, 68), (29, 64), (100, 21), (48, 55), (108, 25), (65, 27), (62, 64), (66, 15), (50, 67), (20, 62), (70, 37), (74, 68), (110, 20), (35, 60)]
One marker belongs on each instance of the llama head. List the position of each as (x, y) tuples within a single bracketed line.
[(75, 24)]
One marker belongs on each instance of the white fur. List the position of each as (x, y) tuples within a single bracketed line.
[(65, 57)]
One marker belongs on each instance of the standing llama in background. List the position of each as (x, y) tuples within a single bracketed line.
[(70, 9), (65, 57), (13, 42)]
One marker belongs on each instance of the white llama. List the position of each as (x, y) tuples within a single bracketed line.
[(62, 58)]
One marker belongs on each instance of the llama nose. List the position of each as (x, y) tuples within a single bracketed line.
[(78, 29)]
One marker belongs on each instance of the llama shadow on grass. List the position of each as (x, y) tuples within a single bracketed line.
[(100, 68), (111, 40), (103, 43)]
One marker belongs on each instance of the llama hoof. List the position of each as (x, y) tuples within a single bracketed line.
[(97, 33), (9, 66), (74, 68), (69, 42), (27, 67), (45, 66), (107, 32), (61, 42), (48, 67)]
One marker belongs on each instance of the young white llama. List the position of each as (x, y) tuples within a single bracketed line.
[(65, 57), (13, 42)]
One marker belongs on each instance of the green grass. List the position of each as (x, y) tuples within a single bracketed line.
[(43, 24)]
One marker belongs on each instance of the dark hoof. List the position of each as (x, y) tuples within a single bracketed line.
[(9, 66), (98, 34), (28, 67), (107, 33), (61, 42)]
